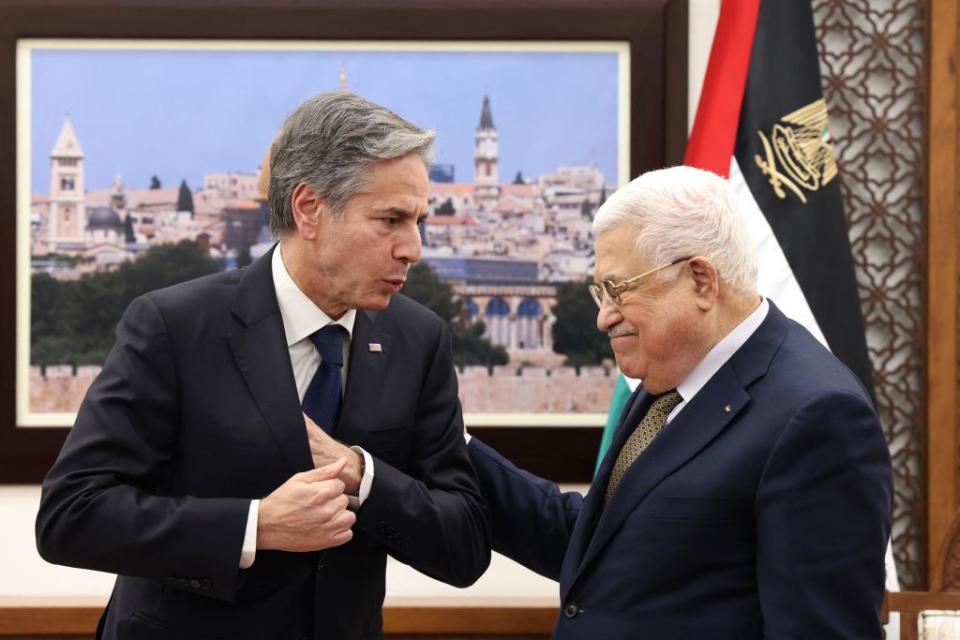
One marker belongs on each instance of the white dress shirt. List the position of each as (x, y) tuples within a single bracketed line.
[(301, 318)]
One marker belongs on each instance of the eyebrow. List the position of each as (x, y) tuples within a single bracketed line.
[(403, 213)]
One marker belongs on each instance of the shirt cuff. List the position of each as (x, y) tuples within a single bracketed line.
[(249, 551), (365, 482)]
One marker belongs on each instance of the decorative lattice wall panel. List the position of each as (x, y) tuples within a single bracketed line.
[(872, 60)]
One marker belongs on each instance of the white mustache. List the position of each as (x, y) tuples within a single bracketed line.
[(621, 330)]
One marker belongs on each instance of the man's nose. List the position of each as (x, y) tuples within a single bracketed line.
[(608, 317), (409, 249)]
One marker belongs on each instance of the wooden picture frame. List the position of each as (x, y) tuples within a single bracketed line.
[(655, 30)]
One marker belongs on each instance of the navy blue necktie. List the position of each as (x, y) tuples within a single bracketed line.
[(323, 397)]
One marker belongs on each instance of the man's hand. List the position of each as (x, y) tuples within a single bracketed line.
[(308, 512), (324, 450)]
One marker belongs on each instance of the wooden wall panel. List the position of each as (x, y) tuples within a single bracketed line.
[(943, 208)]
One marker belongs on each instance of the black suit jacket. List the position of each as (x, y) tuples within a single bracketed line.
[(762, 510), (196, 412)]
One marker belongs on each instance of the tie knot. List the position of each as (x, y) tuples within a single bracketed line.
[(329, 342)]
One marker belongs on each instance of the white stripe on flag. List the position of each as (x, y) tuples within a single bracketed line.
[(775, 279)]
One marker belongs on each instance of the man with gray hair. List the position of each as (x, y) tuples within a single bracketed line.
[(259, 440), (747, 491)]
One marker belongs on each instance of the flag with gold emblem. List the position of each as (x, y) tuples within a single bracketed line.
[(762, 122)]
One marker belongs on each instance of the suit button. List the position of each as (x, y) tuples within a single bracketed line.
[(195, 583), (206, 584), (571, 610)]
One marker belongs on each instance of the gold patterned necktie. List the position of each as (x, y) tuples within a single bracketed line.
[(642, 436)]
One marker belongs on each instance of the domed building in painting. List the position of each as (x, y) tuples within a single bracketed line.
[(104, 225)]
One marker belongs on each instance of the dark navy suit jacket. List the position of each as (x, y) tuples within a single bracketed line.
[(196, 412), (762, 510)]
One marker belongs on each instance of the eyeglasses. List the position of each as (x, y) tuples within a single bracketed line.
[(614, 290)]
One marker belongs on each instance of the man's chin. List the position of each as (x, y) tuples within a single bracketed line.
[(375, 303), (627, 368)]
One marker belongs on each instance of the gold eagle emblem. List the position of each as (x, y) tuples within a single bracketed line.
[(797, 153)]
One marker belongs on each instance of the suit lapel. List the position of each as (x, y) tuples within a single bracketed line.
[(260, 350), (691, 430), (697, 424), (366, 371)]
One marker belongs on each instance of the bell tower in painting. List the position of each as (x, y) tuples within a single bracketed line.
[(67, 220), (486, 157)]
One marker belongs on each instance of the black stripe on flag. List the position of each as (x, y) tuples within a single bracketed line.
[(783, 149)]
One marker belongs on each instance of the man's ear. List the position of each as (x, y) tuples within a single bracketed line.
[(706, 280), (308, 207)]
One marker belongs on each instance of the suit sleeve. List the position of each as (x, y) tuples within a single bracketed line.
[(823, 521), (532, 520), (102, 506), (432, 517)]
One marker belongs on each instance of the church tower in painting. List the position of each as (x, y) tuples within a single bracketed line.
[(486, 157), (67, 221)]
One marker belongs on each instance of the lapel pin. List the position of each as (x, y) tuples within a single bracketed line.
[(375, 347), (727, 408)]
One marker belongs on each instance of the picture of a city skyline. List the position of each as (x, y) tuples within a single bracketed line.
[(140, 156)]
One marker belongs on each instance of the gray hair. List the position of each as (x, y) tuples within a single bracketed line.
[(331, 142), (682, 211)]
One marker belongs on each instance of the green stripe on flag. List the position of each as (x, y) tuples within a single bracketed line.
[(620, 394)]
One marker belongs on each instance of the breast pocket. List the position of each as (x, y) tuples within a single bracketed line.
[(681, 526)]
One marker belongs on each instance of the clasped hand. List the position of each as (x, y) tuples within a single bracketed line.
[(309, 511)]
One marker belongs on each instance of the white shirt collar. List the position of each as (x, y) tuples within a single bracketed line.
[(721, 352), (300, 316)]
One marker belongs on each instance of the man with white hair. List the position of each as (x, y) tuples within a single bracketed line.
[(747, 491)]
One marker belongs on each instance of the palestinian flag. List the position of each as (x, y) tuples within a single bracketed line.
[(762, 122)]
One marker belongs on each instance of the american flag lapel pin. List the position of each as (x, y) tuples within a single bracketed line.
[(375, 347)]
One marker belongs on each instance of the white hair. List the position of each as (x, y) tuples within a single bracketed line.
[(682, 211)]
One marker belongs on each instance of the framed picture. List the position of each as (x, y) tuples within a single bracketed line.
[(141, 148)]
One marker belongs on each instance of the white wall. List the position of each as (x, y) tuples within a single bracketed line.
[(24, 573), (702, 17)]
